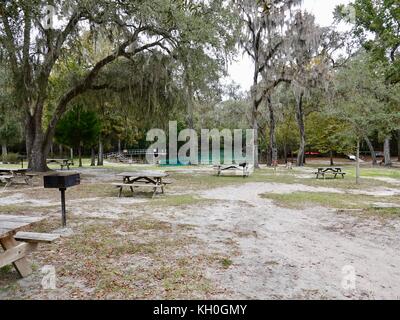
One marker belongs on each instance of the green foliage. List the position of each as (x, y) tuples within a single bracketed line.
[(326, 133), (364, 100), (10, 126), (377, 27), (78, 127), (10, 158)]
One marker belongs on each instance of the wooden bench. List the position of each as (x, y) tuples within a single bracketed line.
[(17, 245), (7, 179), (35, 237)]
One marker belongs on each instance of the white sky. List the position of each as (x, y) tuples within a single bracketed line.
[(241, 71)]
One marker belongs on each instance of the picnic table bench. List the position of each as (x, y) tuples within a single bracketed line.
[(17, 244), (62, 162), (139, 179), (9, 176), (243, 169), (334, 171)]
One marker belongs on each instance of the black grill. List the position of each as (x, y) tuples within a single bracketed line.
[(61, 181)]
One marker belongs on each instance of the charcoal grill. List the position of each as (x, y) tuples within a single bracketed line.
[(62, 181)]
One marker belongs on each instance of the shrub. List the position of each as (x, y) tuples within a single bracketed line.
[(11, 158)]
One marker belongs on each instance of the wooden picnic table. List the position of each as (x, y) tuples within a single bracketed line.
[(243, 169), (15, 252), (136, 179), (10, 175), (62, 162), (335, 171)]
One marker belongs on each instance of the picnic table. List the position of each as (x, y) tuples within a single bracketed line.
[(62, 162), (9, 176), (17, 245), (334, 171), (243, 169), (137, 179)]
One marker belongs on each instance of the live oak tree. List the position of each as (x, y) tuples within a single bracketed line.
[(264, 23), (36, 40), (309, 66)]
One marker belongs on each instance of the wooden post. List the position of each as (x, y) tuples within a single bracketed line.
[(358, 162)]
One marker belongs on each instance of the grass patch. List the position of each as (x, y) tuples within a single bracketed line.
[(6, 269), (127, 258), (303, 200), (383, 212), (226, 263)]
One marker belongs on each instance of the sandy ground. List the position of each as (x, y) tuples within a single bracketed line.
[(300, 253), (276, 252)]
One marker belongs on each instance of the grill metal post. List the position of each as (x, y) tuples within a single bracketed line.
[(62, 182), (63, 211)]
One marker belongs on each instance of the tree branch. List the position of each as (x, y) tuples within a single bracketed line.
[(87, 83), (9, 42)]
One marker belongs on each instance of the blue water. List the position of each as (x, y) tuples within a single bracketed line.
[(168, 162)]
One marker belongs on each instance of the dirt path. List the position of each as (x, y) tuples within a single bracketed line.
[(284, 253)]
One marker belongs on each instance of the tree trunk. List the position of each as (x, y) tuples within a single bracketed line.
[(331, 157), (60, 150), (398, 145), (301, 125), (119, 146), (36, 147), (372, 150), (4, 150), (93, 158), (358, 162), (101, 153), (255, 128), (80, 154), (272, 149), (386, 151), (71, 154), (285, 153), (51, 150)]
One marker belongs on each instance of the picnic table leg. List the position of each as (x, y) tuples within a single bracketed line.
[(120, 192), (22, 265), (28, 180), (159, 181), (8, 183)]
